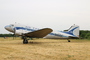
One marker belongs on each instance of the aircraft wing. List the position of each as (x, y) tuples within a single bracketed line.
[(39, 33)]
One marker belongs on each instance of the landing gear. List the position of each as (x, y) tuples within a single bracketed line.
[(25, 40), (68, 40)]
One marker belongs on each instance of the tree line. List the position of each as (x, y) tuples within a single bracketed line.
[(84, 34), (6, 35)]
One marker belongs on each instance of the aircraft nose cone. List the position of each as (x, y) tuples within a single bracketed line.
[(8, 28)]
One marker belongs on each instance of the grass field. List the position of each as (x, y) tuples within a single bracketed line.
[(44, 49)]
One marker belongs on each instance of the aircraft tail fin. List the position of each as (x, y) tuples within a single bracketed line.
[(74, 30)]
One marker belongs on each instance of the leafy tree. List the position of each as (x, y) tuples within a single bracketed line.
[(85, 34)]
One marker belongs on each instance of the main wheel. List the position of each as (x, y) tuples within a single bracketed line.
[(25, 41), (68, 40)]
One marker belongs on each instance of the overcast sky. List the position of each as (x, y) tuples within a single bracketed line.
[(55, 14)]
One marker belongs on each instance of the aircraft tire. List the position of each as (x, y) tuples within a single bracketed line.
[(69, 41), (25, 41)]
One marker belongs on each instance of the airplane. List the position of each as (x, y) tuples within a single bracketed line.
[(31, 32)]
